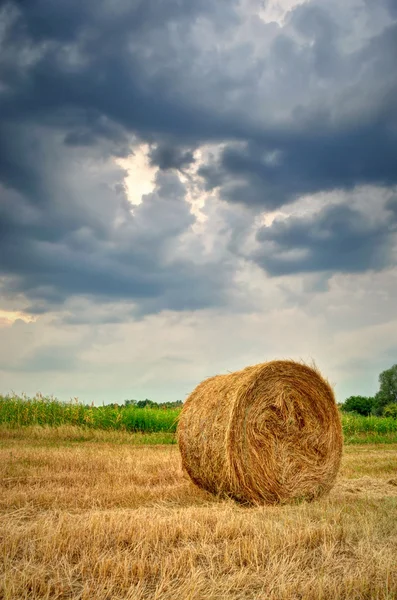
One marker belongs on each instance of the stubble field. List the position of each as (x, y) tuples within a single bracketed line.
[(103, 517)]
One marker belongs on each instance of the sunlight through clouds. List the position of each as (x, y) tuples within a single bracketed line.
[(8, 317), (140, 175)]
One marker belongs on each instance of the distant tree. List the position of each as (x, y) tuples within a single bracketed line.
[(130, 402), (151, 404), (175, 404), (362, 405), (388, 389), (390, 410), (146, 404)]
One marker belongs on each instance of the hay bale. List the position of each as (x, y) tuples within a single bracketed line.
[(268, 434)]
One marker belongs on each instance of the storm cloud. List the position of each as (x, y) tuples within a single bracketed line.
[(287, 110), (167, 157), (105, 251), (336, 239)]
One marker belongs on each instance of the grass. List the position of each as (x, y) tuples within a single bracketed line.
[(108, 520), (371, 430), (70, 435), (24, 412), (21, 412)]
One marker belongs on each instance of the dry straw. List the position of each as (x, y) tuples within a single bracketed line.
[(268, 434)]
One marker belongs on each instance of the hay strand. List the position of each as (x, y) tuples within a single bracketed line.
[(268, 434)]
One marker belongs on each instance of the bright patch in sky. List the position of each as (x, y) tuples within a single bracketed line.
[(140, 175), (8, 317), (276, 11)]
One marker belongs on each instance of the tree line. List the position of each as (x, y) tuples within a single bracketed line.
[(151, 404), (384, 403)]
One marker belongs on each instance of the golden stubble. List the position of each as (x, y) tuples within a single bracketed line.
[(107, 520)]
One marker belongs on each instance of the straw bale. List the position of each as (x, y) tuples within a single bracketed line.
[(268, 434)]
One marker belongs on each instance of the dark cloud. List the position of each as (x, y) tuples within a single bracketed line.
[(166, 156), (78, 64), (302, 108), (49, 254), (98, 70), (338, 238), (41, 20), (21, 160), (343, 136), (95, 130), (78, 80), (392, 6), (269, 177), (391, 205)]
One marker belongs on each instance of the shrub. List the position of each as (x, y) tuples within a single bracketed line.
[(390, 410), (362, 405)]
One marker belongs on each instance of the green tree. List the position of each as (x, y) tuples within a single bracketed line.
[(362, 405), (130, 402), (146, 404), (390, 410), (388, 389)]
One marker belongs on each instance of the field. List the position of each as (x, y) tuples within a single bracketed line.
[(23, 412), (93, 514)]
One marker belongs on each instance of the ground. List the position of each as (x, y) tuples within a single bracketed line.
[(97, 517)]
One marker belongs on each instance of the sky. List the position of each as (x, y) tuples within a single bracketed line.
[(188, 188)]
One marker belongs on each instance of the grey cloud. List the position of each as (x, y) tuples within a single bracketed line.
[(70, 18), (337, 239), (51, 358), (117, 64), (391, 205), (167, 156), (105, 250), (46, 358), (271, 175), (154, 84), (342, 136), (80, 80), (392, 6), (95, 130)]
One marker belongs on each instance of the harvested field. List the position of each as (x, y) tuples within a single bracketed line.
[(102, 519)]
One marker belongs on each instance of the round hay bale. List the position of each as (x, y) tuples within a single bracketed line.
[(268, 434)]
